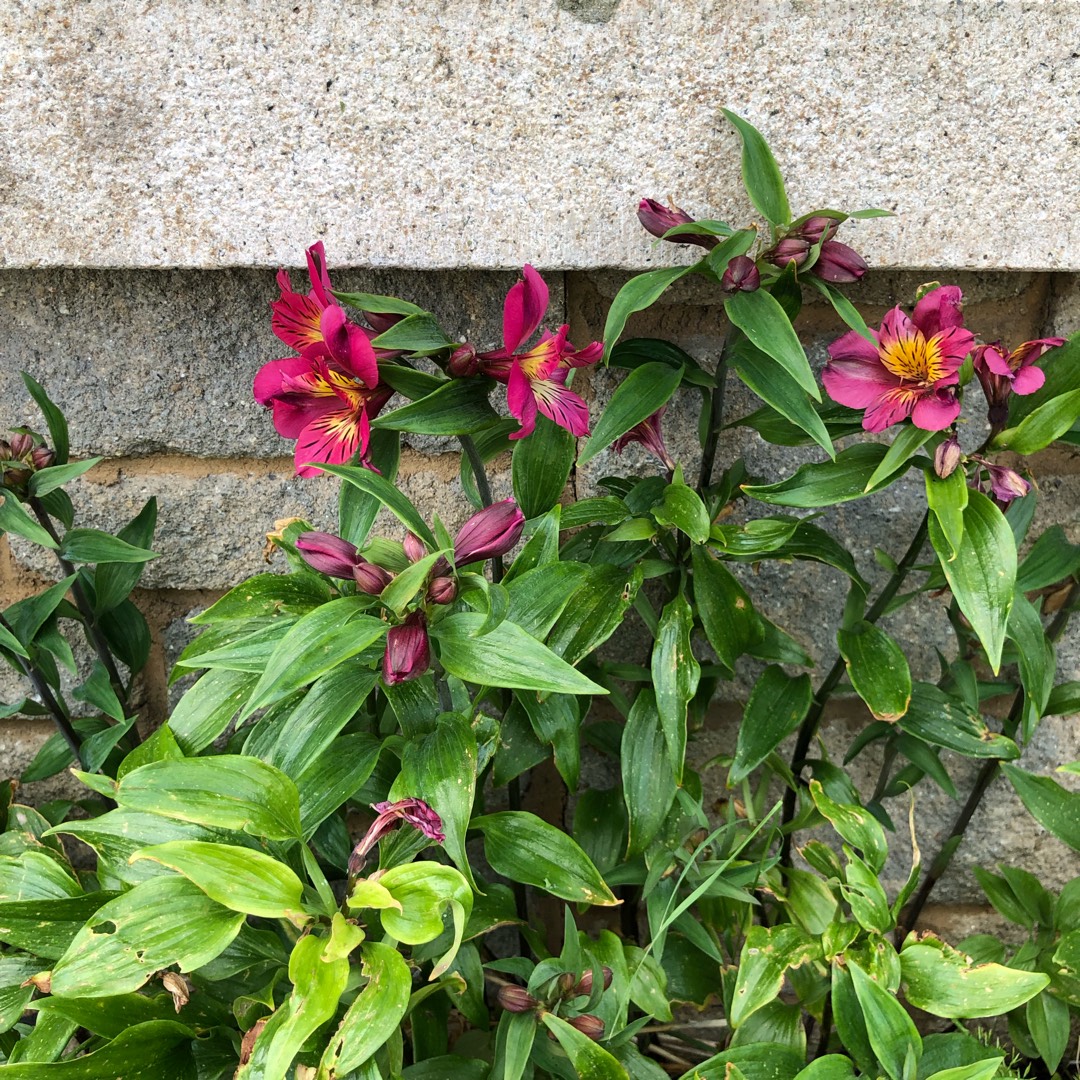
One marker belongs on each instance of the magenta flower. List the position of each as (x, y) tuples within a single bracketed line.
[(536, 378), (414, 812), (649, 435), (490, 533), (656, 219), (1002, 374), (408, 651), (741, 275), (910, 367)]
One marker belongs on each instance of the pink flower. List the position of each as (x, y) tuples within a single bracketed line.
[(490, 533), (536, 378), (910, 367), (408, 651), (414, 812), (1002, 374), (649, 435)]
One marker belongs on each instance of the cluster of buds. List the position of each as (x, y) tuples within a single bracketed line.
[(516, 999), (20, 456), (836, 262), (486, 535)]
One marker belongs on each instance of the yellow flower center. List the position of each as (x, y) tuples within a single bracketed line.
[(914, 359)]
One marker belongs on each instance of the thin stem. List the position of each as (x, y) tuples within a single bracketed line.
[(812, 721), (716, 416), (883, 774), (483, 487), (93, 632), (986, 776), (48, 699)]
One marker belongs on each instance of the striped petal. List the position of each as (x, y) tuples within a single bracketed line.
[(525, 305), (332, 438)]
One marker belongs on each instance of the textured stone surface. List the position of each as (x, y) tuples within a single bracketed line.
[(197, 134), (163, 362)]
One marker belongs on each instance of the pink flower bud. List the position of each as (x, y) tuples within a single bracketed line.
[(585, 983), (490, 533), (442, 590), (589, 1025), (814, 228), (42, 457), (408, 651), (463, 362), (947, 456), (792, 249), (369, 578), (5, 450), (327, 553), (516, 999), (415, 549), (1006, 484), (839, 264), (741, 275), (657, 218), (21, 445), (381, 321)]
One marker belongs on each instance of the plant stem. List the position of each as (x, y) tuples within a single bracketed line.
[(48, 699), (812, 722), (986, 776), (93, 632), (484, 489), (716, 416)]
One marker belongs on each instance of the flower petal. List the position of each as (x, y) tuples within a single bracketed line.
[(295, 319), (520, 402), (853, 346), (1028, 379), (562, 406), (955, 343), (525, 305), (320, 280), (349, 346), (993, 356), (939, 310), (333, 438), (893, 407), (857, 383), (935, 411)]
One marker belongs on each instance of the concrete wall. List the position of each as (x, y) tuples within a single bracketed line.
[(164, 157)]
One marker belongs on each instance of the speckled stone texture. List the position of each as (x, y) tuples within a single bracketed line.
[(471, 134)]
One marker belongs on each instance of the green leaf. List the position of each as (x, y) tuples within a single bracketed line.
[(423, 891), (267, 594), (761, 175), (15, 989), (237, 878), (380, 305), (857, 826), (387, 494), (404, 587), (336, 774), (162, 922), (942, 981), (777, 705), (541, 467), (597, 611), (93, 546), (877, 668), (739, 243), (113, 582), (205, 711), (892, 1033), (760, 317), (590, 1060), (681, 508), (375, 1014), (647, 775), (776, 387), (161, 746), (54, 418), (1049, 1021), (556, 722), (646, 389), (842, 305), (47, 931), (457, 407), (10, 642), (34, 875), (523, 848), (943, 720), (983, 575), (727, 613), (45, 480), (440, 768), (637, 294), (358, 509), (1054, 808), (675, 674), (908, 441), (634, 352), (1041, 426), (225, 792), (418, 333), (947, 499), (767, 954), (15, 520), (506, 656), (318, 642), (1035, 658), (758, 1061), (827, 483), (1051, 559)]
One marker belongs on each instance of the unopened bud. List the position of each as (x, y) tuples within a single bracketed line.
[(408, 651), (516, 999), (814, 228), (415, 549), (42, 457), (490, 533), (369, 578), (585, 983), (589, 1025), (463, 362), (656, 218), (5, 450), (442, 590), (1006, 484), (741, 275), (947, 456), (792, 249), (178, 987), (839, 264), (21, 445), (381, 321), (327, 553)]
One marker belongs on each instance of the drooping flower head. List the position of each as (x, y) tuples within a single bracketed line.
[(536, 377), (1003, 373), (414, 812), (649, 435), (910, 367), (326, 397)]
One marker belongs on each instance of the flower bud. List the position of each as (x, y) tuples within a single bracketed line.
[(463, 362), (1006, 484), (490, 533), (381, 321), (5, 450), (741, 275), (947, 456), (516, 999), (408, 651), (792, 249), (327, 553), (369, 578), (565, 983), (442, 590), (21, 445), (585, 983), (814, 228), (42, 457), (839, 264), (589, 1025), (656, 218), (415, 549)]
